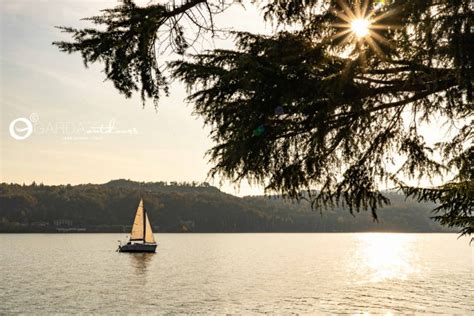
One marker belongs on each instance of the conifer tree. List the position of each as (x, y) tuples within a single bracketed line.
[(329, 107)]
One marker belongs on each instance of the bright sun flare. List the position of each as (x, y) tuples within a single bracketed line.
[(363, 22), (360, 27)]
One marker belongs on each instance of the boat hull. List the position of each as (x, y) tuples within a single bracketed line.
[(137, 248)]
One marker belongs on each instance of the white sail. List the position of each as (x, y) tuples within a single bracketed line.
[(137, 228), (141, 229), (148, 232)]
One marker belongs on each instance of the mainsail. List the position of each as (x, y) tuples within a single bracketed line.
[(141, 229)]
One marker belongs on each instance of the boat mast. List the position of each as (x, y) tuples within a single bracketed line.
[(144, 223)]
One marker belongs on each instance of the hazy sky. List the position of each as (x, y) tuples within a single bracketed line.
[(68, 104), (71, 107)]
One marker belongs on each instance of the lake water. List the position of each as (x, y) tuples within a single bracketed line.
[(238, 274)]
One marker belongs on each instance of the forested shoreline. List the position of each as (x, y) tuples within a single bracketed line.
[(189, 207)]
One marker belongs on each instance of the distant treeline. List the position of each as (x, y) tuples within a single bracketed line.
[(192, 207)]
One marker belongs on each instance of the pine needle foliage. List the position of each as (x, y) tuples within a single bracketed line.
[(312, 111)]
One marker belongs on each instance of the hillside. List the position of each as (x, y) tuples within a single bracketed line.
[(195, 207)]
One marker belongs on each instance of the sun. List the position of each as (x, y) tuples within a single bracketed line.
[(361, 22), (360, 27)]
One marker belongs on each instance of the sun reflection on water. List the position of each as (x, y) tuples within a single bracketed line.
[(386, 256)]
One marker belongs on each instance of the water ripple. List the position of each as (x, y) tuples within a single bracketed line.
[(238, 274)]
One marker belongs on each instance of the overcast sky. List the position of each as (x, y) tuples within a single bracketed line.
[(68, 104)]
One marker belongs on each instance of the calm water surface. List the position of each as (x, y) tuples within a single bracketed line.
[(238, 274)]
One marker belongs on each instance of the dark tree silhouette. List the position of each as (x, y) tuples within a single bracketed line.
[(329, 105)]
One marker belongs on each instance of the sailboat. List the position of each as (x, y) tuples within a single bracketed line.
[(141, 237)]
